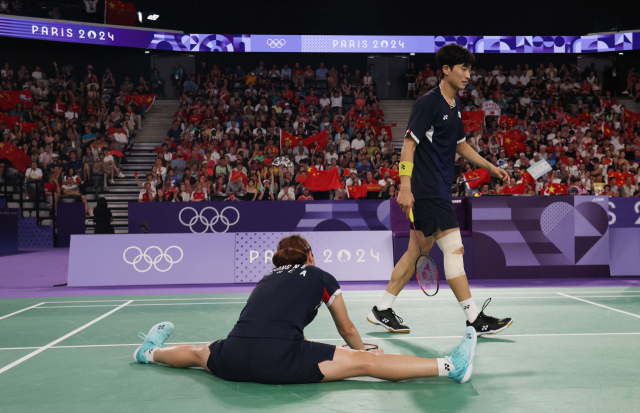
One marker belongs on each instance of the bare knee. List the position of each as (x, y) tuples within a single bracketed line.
[(365, 363)]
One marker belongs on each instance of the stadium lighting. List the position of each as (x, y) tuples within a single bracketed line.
[(140, 17), (620, 53), (153, 17)]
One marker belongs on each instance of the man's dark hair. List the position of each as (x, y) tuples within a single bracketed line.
[(454, 54)]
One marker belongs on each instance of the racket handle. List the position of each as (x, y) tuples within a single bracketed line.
[(411, 215)]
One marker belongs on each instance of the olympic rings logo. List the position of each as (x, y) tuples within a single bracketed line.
[(153, 262), (209, 224), (279, 43)]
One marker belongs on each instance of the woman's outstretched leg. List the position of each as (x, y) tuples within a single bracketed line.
[(183, 356), (395, 367)]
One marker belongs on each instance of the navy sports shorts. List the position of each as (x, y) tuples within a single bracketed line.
[(433, 213), (268, 360)]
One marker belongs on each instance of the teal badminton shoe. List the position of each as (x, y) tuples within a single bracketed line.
[(156, 338), (462, 356)]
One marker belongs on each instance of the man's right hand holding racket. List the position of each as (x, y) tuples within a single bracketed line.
[(405, 198)]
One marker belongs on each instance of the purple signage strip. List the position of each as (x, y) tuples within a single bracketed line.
[(42, 29), (136, 259), (348, 256), (624, 236), (221, 217)]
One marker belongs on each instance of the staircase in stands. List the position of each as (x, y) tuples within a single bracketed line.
[(141, 159), (397, 111)]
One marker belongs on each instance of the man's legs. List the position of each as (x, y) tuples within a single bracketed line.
[(182, 356)]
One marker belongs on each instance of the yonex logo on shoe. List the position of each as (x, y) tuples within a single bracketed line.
[(384, 320), (469, 336), (485, 328), (446, 367), (466, 307)]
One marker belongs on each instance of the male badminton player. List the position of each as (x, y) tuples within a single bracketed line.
[(267, 344), (434, 135)]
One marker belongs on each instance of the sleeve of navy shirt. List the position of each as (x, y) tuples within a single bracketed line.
[(285, 301), (421, 118)]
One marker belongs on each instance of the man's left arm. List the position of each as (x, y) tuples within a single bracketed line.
[(463, 149)]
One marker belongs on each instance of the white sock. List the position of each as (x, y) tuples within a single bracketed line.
[(149, 355), (445, 366), (386, 301), (470, 309)]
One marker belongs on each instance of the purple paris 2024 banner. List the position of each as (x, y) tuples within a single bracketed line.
[(66, 31), (168, 259), (348, 256), (540, 237), (221, 217), (624, 234)]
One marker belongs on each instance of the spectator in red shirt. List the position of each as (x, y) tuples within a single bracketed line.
[(305, 195)]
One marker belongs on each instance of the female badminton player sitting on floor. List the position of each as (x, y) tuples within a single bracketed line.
[(267, 344)]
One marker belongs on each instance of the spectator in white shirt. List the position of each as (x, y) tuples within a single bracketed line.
[(70, 114), (332, 154), (513, 79), (336, 100), (524, 101), (353, 180), (285, 73), (501, 78), (358, 143), (286, 193), (524, 80), (34, 172)]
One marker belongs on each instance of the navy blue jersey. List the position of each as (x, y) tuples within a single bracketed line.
[(285, 301), (437, 128)]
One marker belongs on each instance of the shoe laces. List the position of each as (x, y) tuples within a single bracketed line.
[(146, 337), (397, 317), (483, 315)]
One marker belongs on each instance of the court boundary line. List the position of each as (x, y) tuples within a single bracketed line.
[(346, 301), (24, 309), (349, 292), (600, 305), (340, 339), (54, 342)]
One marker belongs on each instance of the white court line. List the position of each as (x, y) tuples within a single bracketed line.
[(600, 305), (367, 338), (54, 342), (449, 299), (442, 293), (19, 311)]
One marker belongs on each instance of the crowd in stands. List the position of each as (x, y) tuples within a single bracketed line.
[(85, 10), (225, 143), (75, 126)]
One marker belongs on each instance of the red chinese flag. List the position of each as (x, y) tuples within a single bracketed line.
[(20, 160), (518, 189), (606, 130), (373, 187), (621, 177), (358, 191), (301, 178), (473, 120), (142, 99), (320, 138), (323, 180), (120, 13), (512, 144), (606, 103), (558, 189), (9, 100), (510, 121), (481, 173), (159, 149), (235, 174), (115, 152), (284, 136), (527, 178), (574, 120), (631, 117), (395, 174)]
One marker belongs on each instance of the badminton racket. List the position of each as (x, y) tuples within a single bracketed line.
[(367, 347), (426, 271)]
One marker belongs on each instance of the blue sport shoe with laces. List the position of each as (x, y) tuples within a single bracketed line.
[(462, 356), (156, 338)]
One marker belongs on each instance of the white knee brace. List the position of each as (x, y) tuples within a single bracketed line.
[(453, 263)]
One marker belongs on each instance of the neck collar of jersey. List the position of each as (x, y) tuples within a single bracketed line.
[(445, 99)]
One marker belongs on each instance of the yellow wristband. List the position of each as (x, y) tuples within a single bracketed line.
[(406, 168)]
